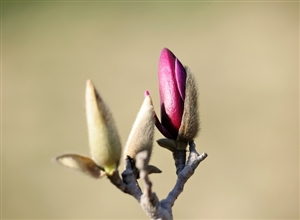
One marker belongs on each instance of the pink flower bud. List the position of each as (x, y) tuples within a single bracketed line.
[(178, 99)]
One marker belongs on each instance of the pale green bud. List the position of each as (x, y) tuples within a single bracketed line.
[(104, 140)]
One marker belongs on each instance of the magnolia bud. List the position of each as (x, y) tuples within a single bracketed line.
[(104, 140), (178, 100), (141, 135)]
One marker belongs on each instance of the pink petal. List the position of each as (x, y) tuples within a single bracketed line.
[(146, 93), (170, 98), (161, 128), (180, 75), (158, 125)]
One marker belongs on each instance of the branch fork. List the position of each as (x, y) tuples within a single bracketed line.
[(148, 200)]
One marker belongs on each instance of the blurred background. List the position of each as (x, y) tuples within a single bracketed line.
[(245, 57)]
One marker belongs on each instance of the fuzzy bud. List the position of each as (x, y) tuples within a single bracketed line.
[(104, 140), (141, 135)]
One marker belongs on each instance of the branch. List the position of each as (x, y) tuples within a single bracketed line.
[(192, 163), (148, 200), (129, 184), (179, 157)]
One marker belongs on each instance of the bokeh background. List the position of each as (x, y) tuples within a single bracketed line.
[(245, 57)]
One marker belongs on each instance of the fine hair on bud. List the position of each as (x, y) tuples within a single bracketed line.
[(142, 132), (190, 120)]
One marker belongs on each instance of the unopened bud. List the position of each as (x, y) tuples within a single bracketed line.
[(141, 135), (104, 140)]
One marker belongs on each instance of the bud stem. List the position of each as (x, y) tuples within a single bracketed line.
[(179, 157)]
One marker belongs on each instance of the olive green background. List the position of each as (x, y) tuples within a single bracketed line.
[(245, 57)]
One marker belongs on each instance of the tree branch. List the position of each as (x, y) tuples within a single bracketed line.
[(193, 161), (129, 184), (179, 157), (148, 200)]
